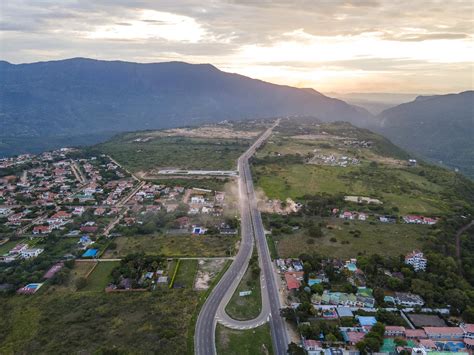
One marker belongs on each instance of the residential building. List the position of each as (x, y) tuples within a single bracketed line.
[(416, 259), (31, 253), (41, 230), (468, 330), (394, 331), (444, 333), (293, 279), (312, 345), (408, 299), (415, 334)]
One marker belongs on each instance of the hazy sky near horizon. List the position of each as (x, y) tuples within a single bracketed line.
[(404, 46)]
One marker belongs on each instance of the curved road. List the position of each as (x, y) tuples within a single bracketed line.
[(252, 229)]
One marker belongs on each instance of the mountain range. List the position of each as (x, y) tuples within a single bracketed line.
[(439, 127), (81, 101), (81, 96)]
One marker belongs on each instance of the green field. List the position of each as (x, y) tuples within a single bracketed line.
[(246, 307), (100, 277), (409, 192), (97, 322), (295, 181), (176, 152), (186, 273), (80, 270), (173, 246), (282, 168), (243, 342), (383, 239)]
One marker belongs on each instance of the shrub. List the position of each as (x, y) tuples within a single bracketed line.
[(81, 283)]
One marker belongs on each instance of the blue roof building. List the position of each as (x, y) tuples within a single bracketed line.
[(366, 321)]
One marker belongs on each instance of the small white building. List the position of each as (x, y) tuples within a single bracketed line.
[(31, 253), (408, 299), (198, 199), (417, 260)]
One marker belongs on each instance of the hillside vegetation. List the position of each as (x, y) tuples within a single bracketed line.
[(283, 169), (440, 128)]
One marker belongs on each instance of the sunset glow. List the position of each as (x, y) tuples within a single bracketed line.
[(330, 46)]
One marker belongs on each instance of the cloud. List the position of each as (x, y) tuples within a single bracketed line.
[(417, 37), (300, 42)]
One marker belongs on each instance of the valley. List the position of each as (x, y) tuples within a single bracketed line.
[(335, 201)]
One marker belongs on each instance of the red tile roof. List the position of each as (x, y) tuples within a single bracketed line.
[(415, 333), (428, 343), (292, 281), (443, 330), (355, 337), (394, 328), (469, 328)]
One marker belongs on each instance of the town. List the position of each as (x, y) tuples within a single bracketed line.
[(332, 307), (62, 207)]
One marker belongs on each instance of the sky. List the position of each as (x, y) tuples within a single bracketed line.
[(397, 46)]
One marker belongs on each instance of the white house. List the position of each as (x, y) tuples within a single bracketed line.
[(417, 260), (198, 199), (78, 211), (31, 253), (408, 299)]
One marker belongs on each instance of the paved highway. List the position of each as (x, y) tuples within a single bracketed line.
[(252, 229)]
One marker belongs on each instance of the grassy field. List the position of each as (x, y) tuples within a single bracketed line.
[(177, 246), (295, 181), (100, 277), (80, 270), (409, 192), (246, 307), (96, 322), (281, 170), (186, 273), (243, 342), (383, 239), (176, 152)]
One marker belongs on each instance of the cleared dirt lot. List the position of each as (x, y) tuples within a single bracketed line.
[(203, 132), (207, 271)]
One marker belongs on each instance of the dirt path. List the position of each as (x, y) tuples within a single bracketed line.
[(458, 239)]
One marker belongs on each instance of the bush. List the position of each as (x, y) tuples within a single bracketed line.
[(310, 241), (81, 283), (333, 240)]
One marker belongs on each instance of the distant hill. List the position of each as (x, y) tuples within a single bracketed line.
[(76, 97), (440, 128), (374, 102)]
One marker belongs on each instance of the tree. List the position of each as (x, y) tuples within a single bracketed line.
[(294, 349), (288, 313), (317, 288), (457, 299), (81, 282), (372, 344), (314, 231), (379, 295), (305, 330), (468, 315), (379, 329), (400, 342)]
